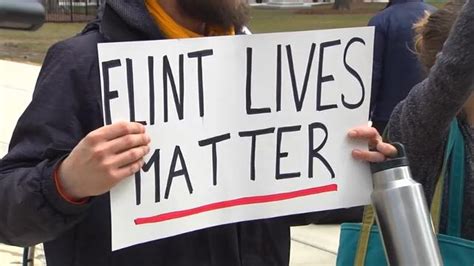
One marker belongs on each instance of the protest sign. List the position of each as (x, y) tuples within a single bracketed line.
[(242, 127)]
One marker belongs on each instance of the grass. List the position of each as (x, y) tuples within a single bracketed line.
[(319, 17), (32, 46), (28, 46)]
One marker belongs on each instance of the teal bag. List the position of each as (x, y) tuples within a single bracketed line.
[(455, 251), (361, 244)]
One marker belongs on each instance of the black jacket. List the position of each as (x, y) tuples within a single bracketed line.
[(66, 106)]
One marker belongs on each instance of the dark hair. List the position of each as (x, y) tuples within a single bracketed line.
[(432, 31)]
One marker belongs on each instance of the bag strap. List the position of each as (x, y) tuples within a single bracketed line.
[(456, 185), (363, 243), (455, 145), (436, 202), (368, 221)]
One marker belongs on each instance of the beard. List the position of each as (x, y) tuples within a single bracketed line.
[(223, 13)]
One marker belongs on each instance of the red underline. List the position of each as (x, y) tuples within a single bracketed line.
[(236, 202)]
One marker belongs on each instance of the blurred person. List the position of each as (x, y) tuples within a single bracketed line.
[(422, 121), (396, 69)]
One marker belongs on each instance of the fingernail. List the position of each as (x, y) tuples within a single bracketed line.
[(352, 133), (356, 154)]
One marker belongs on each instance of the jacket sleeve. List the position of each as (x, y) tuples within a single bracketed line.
[(422, 120), (377, 74), (32, 210)]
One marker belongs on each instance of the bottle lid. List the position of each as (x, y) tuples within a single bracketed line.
[(400, 160)]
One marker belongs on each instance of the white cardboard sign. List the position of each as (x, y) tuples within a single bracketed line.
[(242, 127)]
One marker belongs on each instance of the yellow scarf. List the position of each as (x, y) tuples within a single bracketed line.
[(172, 30)]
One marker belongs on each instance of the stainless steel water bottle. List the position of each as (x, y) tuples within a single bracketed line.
[(402, 214)]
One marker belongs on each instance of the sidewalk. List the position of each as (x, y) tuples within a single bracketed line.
[(17, 82), (310, 245)]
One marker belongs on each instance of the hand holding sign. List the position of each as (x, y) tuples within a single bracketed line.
[(104, 158), (379, 149)]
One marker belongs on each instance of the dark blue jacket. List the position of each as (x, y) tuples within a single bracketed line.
[(396, 68)]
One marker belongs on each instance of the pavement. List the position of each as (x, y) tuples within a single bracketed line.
[(310, 245), (17, 82)]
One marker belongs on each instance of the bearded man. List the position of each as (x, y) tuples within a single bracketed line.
[(63, 161)]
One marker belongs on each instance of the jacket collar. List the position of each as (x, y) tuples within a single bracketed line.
[(396, 2), (131, 25)]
